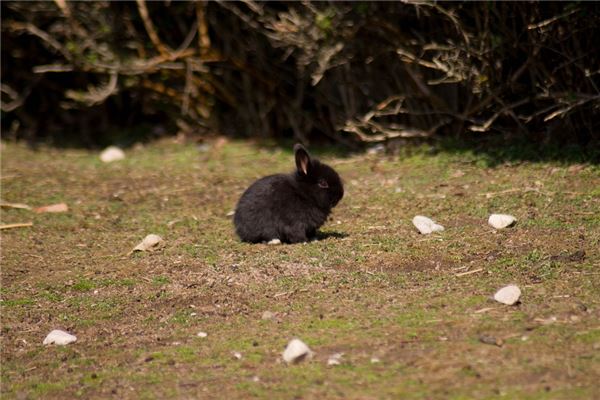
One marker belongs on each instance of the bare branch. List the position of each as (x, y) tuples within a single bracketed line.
[(143, 10)]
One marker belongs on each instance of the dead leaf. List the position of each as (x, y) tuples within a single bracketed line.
[(53, 208)]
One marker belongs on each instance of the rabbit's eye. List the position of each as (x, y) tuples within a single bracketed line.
[(323, 183)]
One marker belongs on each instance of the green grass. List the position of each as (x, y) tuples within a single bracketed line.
[(373, 287)]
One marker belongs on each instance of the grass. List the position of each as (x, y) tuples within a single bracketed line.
[(370, 288)]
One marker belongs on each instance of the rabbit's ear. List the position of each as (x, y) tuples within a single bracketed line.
[(303, 163)]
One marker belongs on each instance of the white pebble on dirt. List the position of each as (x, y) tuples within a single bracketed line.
[(60, 338), (508, 295), (426, 225), (335, 359), (274, 241), (202, 334), (267, 315), (112, 153), (296, 351), (501, 221), (150, 242)]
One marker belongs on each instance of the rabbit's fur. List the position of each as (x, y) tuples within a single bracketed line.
[(289, 207)]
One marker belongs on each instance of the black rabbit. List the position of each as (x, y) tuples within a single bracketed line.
[(289, 207)]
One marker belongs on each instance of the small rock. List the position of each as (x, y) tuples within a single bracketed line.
[(59, 338), (375, 360), (487, 339), (230, 213), (111, 154), (267, 315), (202, 334), (335, 359), (150, 242), (255, 379), (508, 295), (237, 355), (425, 225), (296, 351), (500, 221), (577, 256), (274, 241)]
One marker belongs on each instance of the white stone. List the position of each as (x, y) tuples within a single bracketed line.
[(425, 225), (335, 359), (296, 351), (60, 338), (237, 355), (274, 241), (375, 360), (112, 153), (500, 221), (202, 334), (508, 295), (267, 315), (150, 242)]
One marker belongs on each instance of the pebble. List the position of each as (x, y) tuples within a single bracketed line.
[(267, 315), (59, 338), (501, 221), (150, 242), (426, 225), (508, 295), (112, 153), (335, 359), (296, 351)]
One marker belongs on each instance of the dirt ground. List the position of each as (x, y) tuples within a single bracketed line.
[(412, 314)]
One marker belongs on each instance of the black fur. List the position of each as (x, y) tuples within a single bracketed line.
[(289, 207)]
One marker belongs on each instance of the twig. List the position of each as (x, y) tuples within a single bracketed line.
[(551, 20), (143, 10), (527, 189), (95, 94), (283, 294), (486, 309), (203, 38), (486, 125), (19, 225), (14, 205), (42, 69), (468, 272)]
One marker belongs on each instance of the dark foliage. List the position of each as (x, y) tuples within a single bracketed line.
[(356, 72)]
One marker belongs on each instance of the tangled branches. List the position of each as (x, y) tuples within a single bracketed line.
[(350, 72)]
